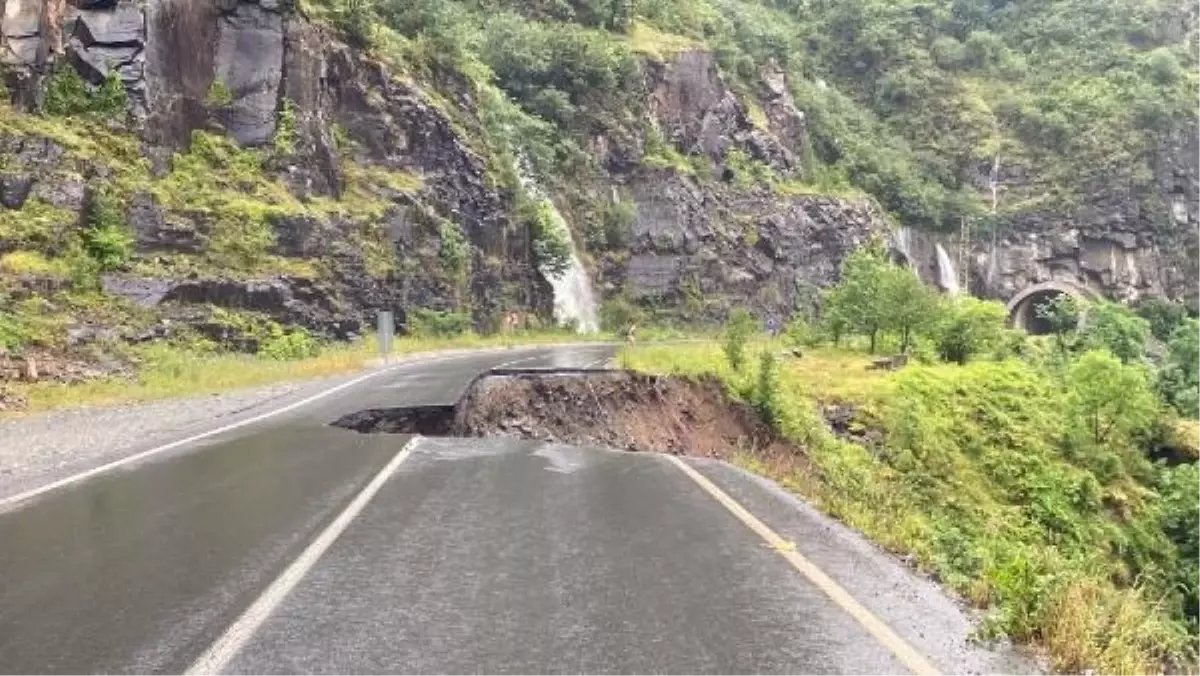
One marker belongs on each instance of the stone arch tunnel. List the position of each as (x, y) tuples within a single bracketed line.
[(1021, 307)]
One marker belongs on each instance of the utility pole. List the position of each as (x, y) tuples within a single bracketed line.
[(964, 236)]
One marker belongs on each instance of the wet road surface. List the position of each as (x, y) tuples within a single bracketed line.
[(473, 556)]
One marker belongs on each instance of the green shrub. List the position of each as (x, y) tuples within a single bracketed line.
[(218, 95), (617, 219), (738, 331), (454, 251), (552, 247), (1163, 67), (618, 313), (286, 128), (1109, 400), (107, 239), (970, 327), (800, 334), (289, 344), (1062, 314), (767, 397), (425, 322), (555, 69), (948, 52), (1115, 328), (1163, 316), (747, 172), (12, 332), (1180, 490), (67, 94), (356, 20), (1179, 378)]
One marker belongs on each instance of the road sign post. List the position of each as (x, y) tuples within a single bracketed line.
[(386, 328)]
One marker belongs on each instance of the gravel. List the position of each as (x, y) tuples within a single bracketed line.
[(41, 448)]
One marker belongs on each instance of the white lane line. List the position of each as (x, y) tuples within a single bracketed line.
[(601, 360), (908, 655), (75, 478), (242, 630), (517, 361)]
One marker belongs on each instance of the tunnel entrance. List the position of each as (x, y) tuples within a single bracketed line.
[(1022, 308), (1027, 314)]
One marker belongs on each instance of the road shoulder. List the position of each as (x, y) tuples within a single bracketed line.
[(915, 607)]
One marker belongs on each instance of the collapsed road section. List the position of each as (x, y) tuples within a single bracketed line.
[(613, 408)]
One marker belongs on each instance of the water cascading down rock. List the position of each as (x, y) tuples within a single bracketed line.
[(574, 298), (947, 275)]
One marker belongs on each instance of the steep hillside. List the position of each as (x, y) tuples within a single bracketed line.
[(1057, 139), (491, 162)]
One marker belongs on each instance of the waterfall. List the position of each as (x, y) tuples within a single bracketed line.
[(902, 243), (574, 299), (947, 275)]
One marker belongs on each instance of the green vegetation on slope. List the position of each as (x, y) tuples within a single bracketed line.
[(1018, 470), (914, 102), (986, 473)]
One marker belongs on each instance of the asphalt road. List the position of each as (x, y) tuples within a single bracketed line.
[(286, 545)]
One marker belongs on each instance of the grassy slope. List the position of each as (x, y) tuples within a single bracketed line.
[(167, 372), (969, 478)]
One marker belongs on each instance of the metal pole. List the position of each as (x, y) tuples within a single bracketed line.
[(386, 326)]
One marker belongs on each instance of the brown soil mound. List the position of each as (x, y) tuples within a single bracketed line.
[(618, 409), (622, 410)]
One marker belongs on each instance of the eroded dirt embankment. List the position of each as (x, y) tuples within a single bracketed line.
[(618, 409)]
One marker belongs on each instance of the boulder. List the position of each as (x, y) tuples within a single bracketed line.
[(14, 190)]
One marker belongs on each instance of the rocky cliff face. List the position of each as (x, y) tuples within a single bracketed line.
[(364, 177), (705, 251), (713, 237), (1113, 244), (353, 185)]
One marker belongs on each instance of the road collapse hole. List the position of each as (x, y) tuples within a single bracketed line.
[(430, 421), (618, 409)]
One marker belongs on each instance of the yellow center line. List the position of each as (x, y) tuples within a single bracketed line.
[(909, 656)]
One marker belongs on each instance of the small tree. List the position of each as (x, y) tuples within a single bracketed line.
[(1108, 398), (1185, 348), (767, 390), (833, 322), (856, 299), (907, 306), (106, 238), (1180, 490), (1061, 313), (1117, 329), (1164, 316), (798, 332), (356, 19), (738, 330), (1179, 379), (968, 327)]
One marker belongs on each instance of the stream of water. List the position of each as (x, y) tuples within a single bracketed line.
[(574, 298), (947, 275)]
